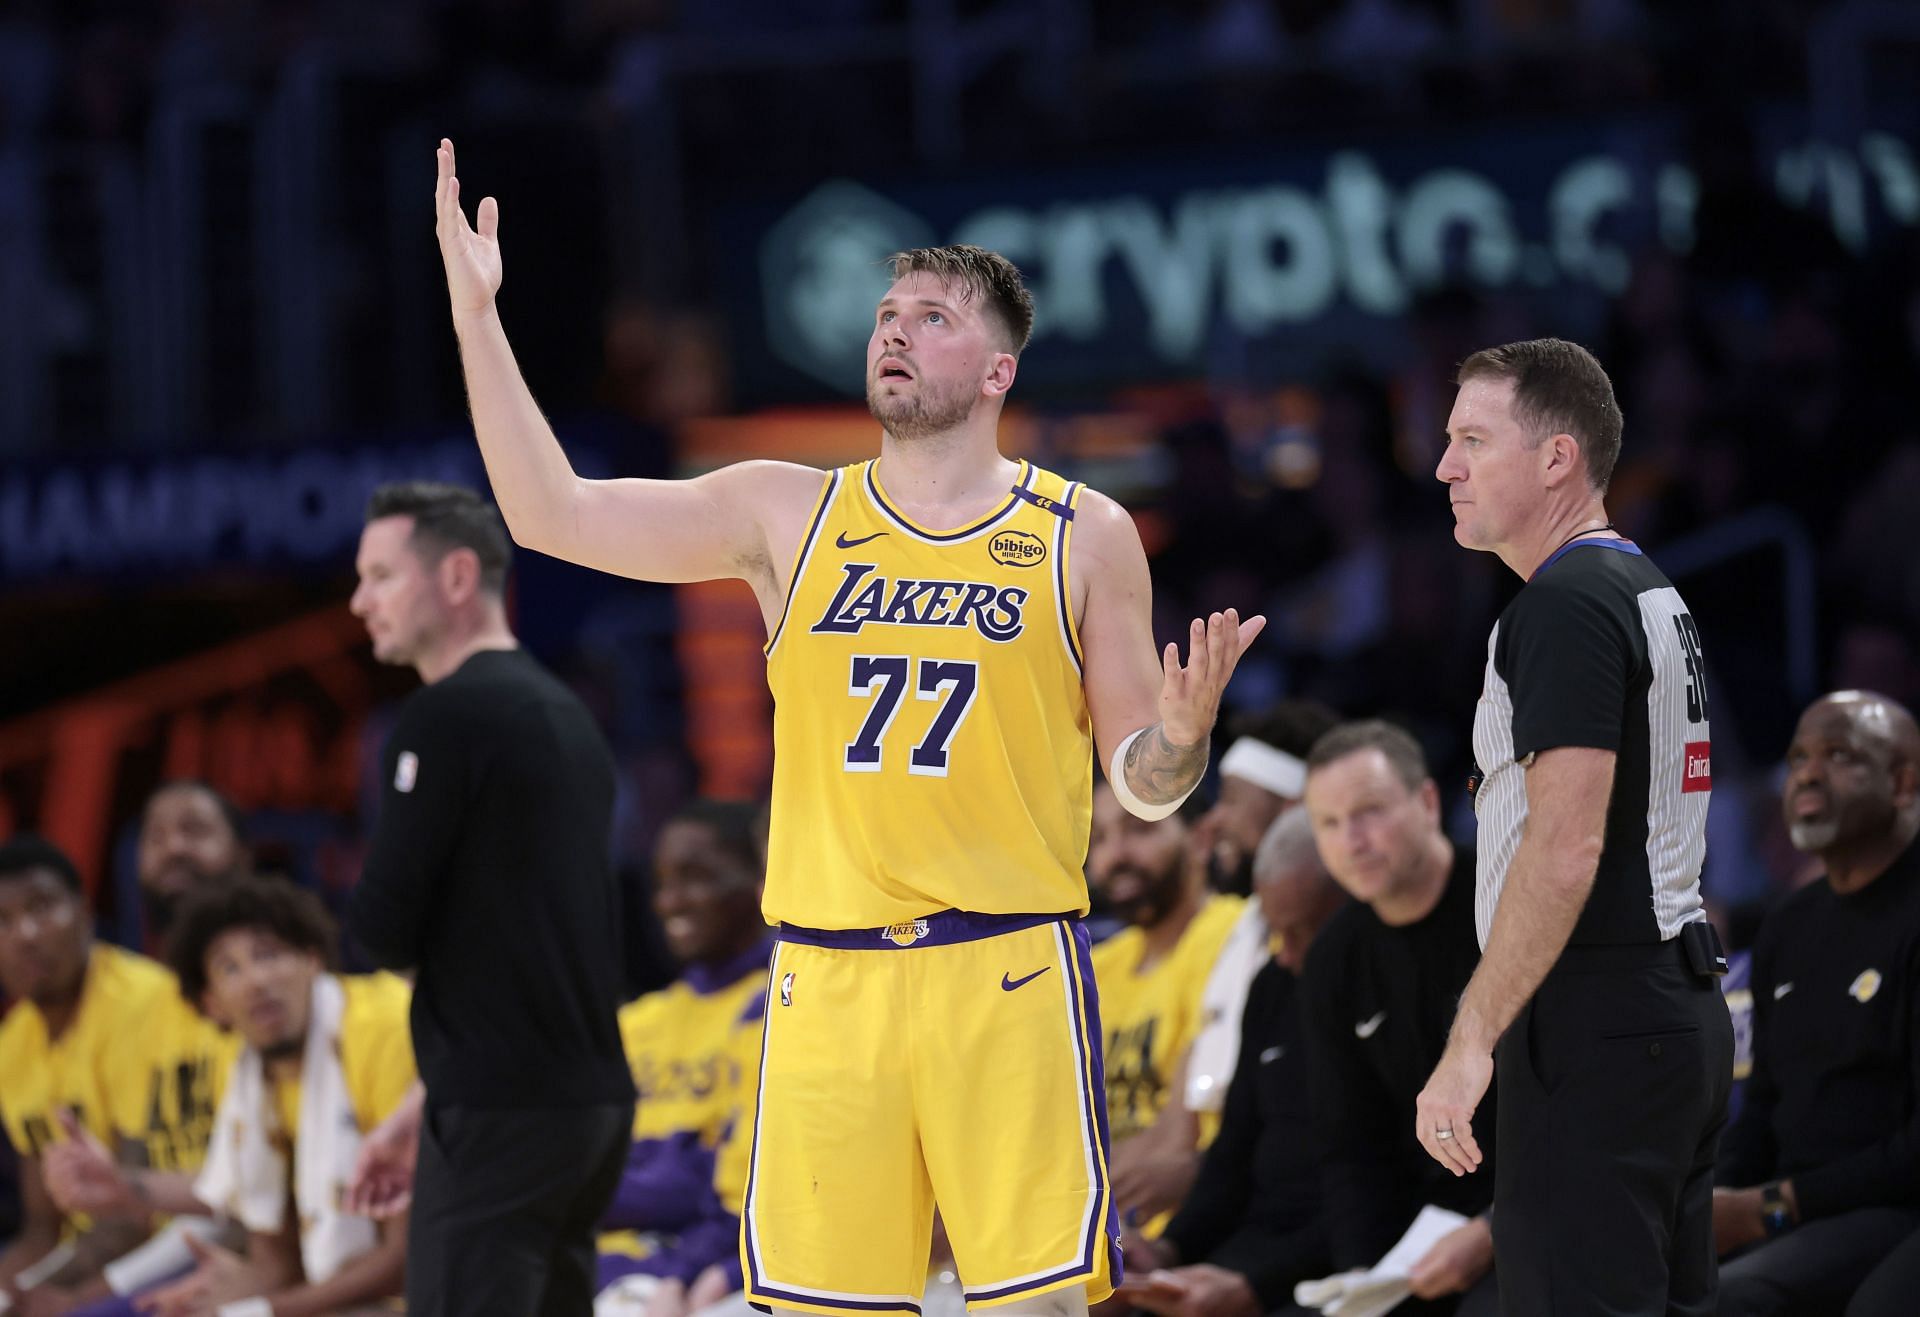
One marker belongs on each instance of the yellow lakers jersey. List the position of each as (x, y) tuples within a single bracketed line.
[(932, 746), (1152, 1018), (681, 1046), (137, 1065), (376, 1053)]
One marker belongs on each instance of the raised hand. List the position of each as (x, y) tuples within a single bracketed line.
[(1190, 694), (472, 258)]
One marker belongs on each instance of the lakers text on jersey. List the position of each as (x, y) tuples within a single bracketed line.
[(927, 701)]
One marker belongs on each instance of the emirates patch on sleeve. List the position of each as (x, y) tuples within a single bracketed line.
[(1698, 775)]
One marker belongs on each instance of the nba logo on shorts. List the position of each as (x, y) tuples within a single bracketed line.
[(906, 933), (406, 770), (786, 990)]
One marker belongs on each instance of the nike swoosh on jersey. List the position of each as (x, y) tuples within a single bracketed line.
[(841, 541), (1367, 1028), (1009, 984), (1781, 989), (1272, 1054)]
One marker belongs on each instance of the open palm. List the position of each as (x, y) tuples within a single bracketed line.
[(472, 257)]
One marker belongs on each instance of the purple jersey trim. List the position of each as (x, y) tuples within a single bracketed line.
[(1061, 509), (943, 929), (1618, 546), (709, 977), (1062, 588), (948, 536)]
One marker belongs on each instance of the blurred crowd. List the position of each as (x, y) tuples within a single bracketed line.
[(1766, 373)]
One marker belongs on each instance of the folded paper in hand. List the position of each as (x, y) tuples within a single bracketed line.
[(1371, 1293)]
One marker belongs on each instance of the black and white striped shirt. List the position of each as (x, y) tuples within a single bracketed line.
[(1599, 650)]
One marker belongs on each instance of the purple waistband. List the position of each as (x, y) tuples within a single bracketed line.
[(936, 930)]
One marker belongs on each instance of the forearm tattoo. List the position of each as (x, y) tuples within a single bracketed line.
[(1158, 771)]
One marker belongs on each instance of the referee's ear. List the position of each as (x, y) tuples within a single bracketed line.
[(1566, 461)]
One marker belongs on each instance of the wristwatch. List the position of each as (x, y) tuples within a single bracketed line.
[(1775, 1212)]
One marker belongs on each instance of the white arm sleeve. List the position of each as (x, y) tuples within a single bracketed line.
[(1117, 779)]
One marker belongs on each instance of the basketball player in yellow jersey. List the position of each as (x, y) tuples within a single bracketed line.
[(951, 635)]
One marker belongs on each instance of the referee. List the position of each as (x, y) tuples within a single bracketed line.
[(1597, 978), (489, 874)]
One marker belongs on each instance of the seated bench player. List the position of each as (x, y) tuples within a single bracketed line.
[(1152, 976), (1253, 1226), (99, 1040), (325, 1058), (682, 1044)]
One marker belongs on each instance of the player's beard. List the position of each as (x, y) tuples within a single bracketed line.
[(161, 908), (928, 410), (1813, 837), (1157, 897), (1235, 879)]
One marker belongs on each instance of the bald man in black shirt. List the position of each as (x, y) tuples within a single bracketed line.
[(489, 874), (1820, 1174), (1376, 1002)]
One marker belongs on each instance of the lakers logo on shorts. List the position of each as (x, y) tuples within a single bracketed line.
[(906, 933)]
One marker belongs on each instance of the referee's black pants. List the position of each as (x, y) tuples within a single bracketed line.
[(1613, 1092), (505, 1203)]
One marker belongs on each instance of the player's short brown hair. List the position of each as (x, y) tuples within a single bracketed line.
[(1402, 752), (1558, 388), (448, 517), (292, 914), (986, 275)]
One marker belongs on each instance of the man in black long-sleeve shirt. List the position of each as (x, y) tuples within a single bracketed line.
[(1251, 1227), (490, 875), (1822, 1169), (1378, 995)]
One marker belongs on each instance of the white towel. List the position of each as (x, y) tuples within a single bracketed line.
[(246, 1178), (1379, 1291), (1216, 1048)]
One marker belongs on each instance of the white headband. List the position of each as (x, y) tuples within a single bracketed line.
[(1267, 768)]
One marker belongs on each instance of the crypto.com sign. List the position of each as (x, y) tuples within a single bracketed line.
[(1152, 269)]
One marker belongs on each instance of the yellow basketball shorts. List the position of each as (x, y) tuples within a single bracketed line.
[(953, 1060)]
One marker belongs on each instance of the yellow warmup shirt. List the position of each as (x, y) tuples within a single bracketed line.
[(932, 746), (138, 1065), (680, 1042), (376, 1054), (694, 1047), (1151, 1019)]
